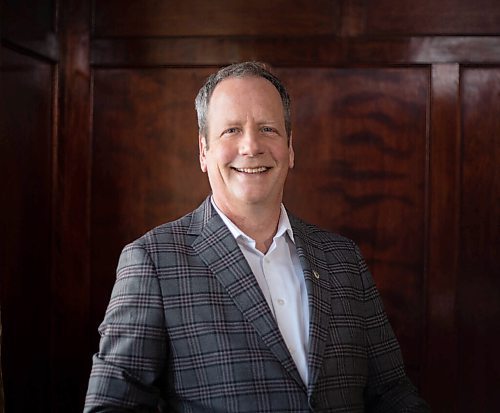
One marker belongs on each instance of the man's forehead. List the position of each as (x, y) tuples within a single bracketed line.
[(231, 111), (235, 82), (232, 100)]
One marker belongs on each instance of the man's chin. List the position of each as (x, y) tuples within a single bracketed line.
[(257, 199)]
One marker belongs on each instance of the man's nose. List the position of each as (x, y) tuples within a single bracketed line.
[(251, 143)]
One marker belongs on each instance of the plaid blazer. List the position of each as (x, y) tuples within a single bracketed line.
[(188, 329)]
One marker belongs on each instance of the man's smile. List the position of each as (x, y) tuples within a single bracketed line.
[(257, 170)]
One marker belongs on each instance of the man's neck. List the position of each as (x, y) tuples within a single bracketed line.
[(259, 222)]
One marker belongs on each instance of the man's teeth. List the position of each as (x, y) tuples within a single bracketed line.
[(252, 170)]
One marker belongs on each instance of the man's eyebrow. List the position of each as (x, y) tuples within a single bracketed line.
[(267, 122)]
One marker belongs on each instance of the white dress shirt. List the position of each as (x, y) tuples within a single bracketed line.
[(281, 279)]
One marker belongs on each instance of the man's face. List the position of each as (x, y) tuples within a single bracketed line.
[(248, 154)]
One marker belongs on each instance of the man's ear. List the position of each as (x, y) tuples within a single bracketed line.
[(202, 143), (291, 153)]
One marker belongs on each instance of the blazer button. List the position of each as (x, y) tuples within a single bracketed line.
[(312, 404)]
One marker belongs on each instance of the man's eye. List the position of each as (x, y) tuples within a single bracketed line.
[(230, 131), (268, 129)]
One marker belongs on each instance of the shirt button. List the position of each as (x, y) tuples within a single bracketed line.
[(281, 301), (266, 260)]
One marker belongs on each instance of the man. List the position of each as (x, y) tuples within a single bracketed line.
[(240, 306)]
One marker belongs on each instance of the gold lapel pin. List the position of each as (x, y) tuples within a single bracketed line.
[(316, 274)]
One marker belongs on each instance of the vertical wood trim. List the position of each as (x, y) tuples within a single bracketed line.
[(71, 252), (353, 20), (439, 379)]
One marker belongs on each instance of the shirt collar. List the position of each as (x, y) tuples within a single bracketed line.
[(284, 225)]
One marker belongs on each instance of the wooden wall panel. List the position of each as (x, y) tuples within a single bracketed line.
[(478, 289), (440, 384), (216, 18), (449, 17), (31, 25), (70, 349), (27, 19), (25, 266), (145, 161), (28, 87), (360, 143)]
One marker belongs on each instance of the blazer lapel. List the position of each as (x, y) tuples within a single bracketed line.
[(218, 249), (314, 266)]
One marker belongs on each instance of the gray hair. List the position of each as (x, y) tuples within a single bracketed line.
[(255, 69)]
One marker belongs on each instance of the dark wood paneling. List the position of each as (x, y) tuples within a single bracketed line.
[(303, 51), (360, 143), (353, 18), (28, 18), (459, 17), (145, 161), (478, 291), (439, 384), (25, 266), (28, 93), (30, 25), (153, 18), (363, 138), (425, 50), (70, 349)]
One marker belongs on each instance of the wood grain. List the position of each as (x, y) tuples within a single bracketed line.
[(25, 267), (155, 18), (304, 51), (439, 385), (478, 287), (70, 332), (424, 17)]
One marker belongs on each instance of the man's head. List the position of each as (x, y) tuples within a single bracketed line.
[(239, 70), (245, 144)]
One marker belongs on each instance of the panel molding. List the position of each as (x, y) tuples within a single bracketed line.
[(308, 51), (153, 18), (70, 296), (26, 140), (478, 284), (439, 384), (46, 49), (30, 28)]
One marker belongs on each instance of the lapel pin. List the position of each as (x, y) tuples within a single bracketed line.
[(316, 274)]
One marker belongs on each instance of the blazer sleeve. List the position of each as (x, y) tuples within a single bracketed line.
[(388, 388), (132, 353)]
